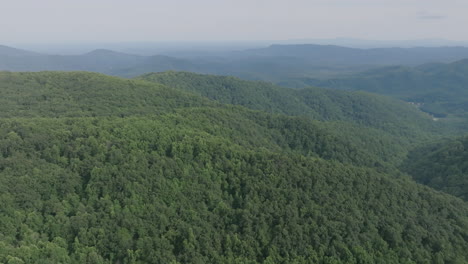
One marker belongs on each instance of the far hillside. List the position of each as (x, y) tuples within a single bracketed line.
[(359, 114), (275, 63), (317, 103), (81, 94), (438, 89), (330, 54)]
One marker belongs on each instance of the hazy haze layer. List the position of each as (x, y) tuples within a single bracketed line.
[(58, 21)]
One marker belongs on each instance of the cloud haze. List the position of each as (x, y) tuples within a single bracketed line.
[(432, 17), (424, 15), (188, 20)]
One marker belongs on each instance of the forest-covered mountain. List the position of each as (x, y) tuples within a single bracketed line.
[(439, 89), (13, 52), (316, 103), (275, 63), (336, 55), (385, 128), (98, 169), (104, 61), (356, 112), (442, 166)]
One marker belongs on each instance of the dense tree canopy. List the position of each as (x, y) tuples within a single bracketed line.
[(96, 169), (442, 166), (364, 116), (152, 190), (322, 104), (438, 89)]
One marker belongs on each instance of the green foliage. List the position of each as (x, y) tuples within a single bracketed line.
[(96, 169), (72, 94), (157, 190), (362, 108), (442, 166), (438, 89), (78, 94), (360, 114)]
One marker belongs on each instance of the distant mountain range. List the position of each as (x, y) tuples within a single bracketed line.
[(329, 54), (99, 60), (214, 48), (274, 63), (369, 43), (9, 51)]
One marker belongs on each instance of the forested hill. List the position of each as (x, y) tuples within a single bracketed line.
[(12, 52), (97, 169), (81, 94), (440, 89), (337, 55), (145, 190), (74, 94), (276, 63), (442, 166), (322, 104)]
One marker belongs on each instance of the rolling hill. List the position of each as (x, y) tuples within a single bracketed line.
[(336, 55), (439, 89), (80, 94), (359, 112), (104, 61), (276, 63), (13, 52), (98, 169), (317, 103)]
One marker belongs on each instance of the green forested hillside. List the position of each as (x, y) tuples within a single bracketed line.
[(322, 104), (439, 89), (442, 166), (96, 169), (152, 190), (79, 94), (68, 94), (386, 125)]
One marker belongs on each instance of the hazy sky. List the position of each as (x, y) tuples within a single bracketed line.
[(43, 21)]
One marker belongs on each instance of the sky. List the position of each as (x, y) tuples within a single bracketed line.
[(71, 21)]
